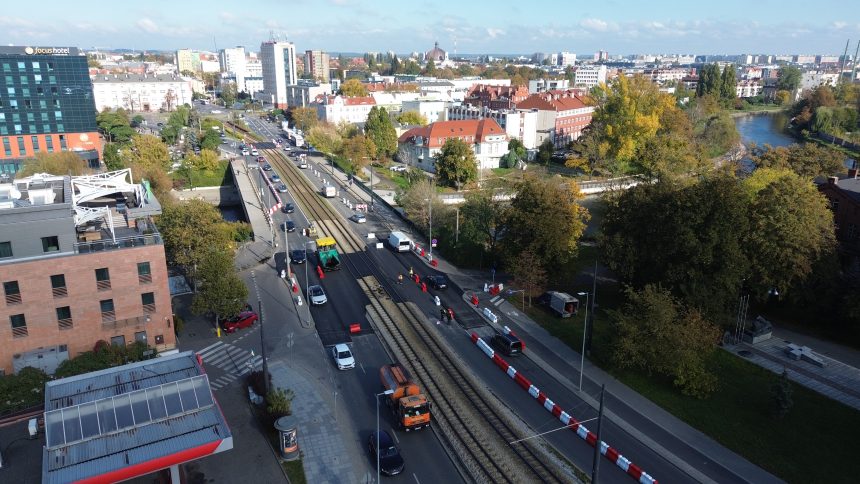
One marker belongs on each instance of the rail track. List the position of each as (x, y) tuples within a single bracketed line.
[(474, 426)]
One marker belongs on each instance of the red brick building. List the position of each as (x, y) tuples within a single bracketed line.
[(562, 115), (496, 97), (844, 197)]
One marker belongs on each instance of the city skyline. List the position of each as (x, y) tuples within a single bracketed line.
[(619, 27)]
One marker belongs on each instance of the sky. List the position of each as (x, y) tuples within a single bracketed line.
[(462, 26)]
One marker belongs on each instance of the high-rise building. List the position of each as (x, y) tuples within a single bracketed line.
[(233, 62), (278, 59), (47, 105), (188, 60), (566, 59), (80, 262), (316, 64)]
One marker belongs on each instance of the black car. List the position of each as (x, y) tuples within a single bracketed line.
[(390, 461), (298, 256), (289, 226), (436, 281), (288, 208), (267, 167)]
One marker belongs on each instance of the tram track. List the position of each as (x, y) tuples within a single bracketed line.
[(476, 428)]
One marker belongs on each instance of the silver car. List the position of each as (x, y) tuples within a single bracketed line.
[(316, 295)]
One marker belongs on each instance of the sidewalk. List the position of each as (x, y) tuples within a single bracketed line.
[(558, 359)]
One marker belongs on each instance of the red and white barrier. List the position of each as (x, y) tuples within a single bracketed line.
[(630, 468)]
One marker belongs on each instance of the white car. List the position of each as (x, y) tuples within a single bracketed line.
[(254, 152), (303, 164), (358, 218), (245, 153), (343, 357), (316, 295)]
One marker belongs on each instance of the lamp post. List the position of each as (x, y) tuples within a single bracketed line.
[(386, 392), (584, 330)]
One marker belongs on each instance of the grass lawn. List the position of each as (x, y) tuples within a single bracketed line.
[(295, 471), (816, 442), (206, 178)]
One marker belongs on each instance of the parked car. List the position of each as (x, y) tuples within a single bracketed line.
[(390, 461), (276, 178), (436, 281), (245, 319), (358, 218), (316, 294), (282, 188), (398, 168), (289, 226), (288, 208), (342, 357), (298, 256)]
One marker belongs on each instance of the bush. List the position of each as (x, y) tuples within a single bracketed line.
[(178, 324), (22, 390), (103, 356), (278, 403), (781, 392), (256, 382)]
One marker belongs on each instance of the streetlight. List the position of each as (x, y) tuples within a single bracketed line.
[(584, 330), (386, 392)]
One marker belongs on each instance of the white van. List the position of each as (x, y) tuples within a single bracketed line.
[(399, 242)]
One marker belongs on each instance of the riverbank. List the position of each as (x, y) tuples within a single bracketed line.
[(756, 111)]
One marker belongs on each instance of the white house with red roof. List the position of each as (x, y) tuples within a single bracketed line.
[(419, 146), (562, 115), (335, 109)]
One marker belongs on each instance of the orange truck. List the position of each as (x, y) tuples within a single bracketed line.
[(408, 405)]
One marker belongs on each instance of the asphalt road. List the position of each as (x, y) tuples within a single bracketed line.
[(346, 306)]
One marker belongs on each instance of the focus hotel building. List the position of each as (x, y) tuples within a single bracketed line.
[(46, 105), (81, 261)]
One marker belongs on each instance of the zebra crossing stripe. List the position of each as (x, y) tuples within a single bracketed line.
[(499, 302), (211, 349), (494, 299), (204, 350), (219, 359)]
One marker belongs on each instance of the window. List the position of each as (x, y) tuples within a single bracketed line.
[(21, 66), (35, 65), (108, 314), (58, 285), (10, 91), (63, 146), (58, 115), (21, 148), (140, 337), (64, 318), (50, 244), (37, 77), (49, 141), (19, 325), (144, 273), (5, 247), (103, 279), (13, 292), (35, 141), (147, 299), (117, 340)]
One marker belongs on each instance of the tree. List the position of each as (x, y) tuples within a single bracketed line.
[(430, 68), (57, 163), (211, 140), (359, 150), (728, 83), (221, 292), (304, 118), (148, 151), (380, 129), (528, 272), (115, 125), (484, 217), (229, 93), (207, 160), (169, 134), (709, 81), (656, 333), (808, 160), (718, 135), (190, 230), (545, 152), (325, 139), (781, 392), (456, 163), (782, 97), (519, 150), (545, 217), (416, 202), (111, 157), (411, 118), (353, 88), (170, 98), (137, 120), (789, 78), (791, 227)]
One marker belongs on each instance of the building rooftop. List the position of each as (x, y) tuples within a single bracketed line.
[(129, 421)]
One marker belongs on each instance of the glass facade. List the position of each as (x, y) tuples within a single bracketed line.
[(44, 94)]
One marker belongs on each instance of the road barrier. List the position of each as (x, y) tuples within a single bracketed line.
[(616, 458)]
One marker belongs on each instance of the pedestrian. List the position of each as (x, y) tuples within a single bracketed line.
[(411, 272), (443, 315), (400, 279), (450, 314)]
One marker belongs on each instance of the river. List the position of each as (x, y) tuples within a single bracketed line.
[(764, 129)]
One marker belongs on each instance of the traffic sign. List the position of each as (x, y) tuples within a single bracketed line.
[(433, 243)]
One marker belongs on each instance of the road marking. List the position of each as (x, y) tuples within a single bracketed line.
[(203, 351), (416, 478), (362, 368), (394, 436), (493, 300), (499, 302)]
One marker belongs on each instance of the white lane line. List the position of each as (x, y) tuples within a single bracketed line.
[(203, 351), (496, 298), (394, 435), (416, 478), (362, 368)]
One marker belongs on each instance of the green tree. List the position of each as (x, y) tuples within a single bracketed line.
[(191, 230), (115, 125), (718, 135), (148, 151), (169, 134), (417, 200), (656, 333), (709, 81), (57, 163), (781, 391), (791, 227), (528, 273), (359, 150), (545, 216), (380, 129), (137, 120), (430, 68), (411, 118), (516, 147), (789, 78), (229, 93), (23, 389), (545, 152), (456, 163), (808, 160), (485, 218), (325, 138), (112, 157), (221, 293), (304, 118), (728, 83), (211, 140), (353, 88), (207, 160)]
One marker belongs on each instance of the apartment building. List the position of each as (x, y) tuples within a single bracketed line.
[(303, 93), (335, 109), (317, 65), (80, 262), (278, 60), (46, 105), (134, 92), (562, 115), (496, 97), (419, 146), (521, 125), (590, 76)]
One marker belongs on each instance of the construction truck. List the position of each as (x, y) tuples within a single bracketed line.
[(408, 405), (562, 303), (327, 254)]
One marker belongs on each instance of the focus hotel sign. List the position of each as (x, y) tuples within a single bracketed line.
[(47, 50)]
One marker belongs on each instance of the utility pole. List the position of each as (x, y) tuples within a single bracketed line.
[(595, 463), (593, 300), (262, 337)]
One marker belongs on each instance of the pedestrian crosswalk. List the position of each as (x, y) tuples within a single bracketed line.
[(235, 361), (497, 301)]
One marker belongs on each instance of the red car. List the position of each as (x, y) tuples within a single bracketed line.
[(245, 319)]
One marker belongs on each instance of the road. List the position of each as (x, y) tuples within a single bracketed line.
[(335, 318)]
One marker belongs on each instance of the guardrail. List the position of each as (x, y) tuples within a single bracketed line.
[(120, 243)]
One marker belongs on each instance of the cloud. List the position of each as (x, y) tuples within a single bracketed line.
[(147, 25), (493, 33), (598, 25)]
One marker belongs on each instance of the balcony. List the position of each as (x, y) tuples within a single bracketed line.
[(144, 278), (121, 243), (148, 308)]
